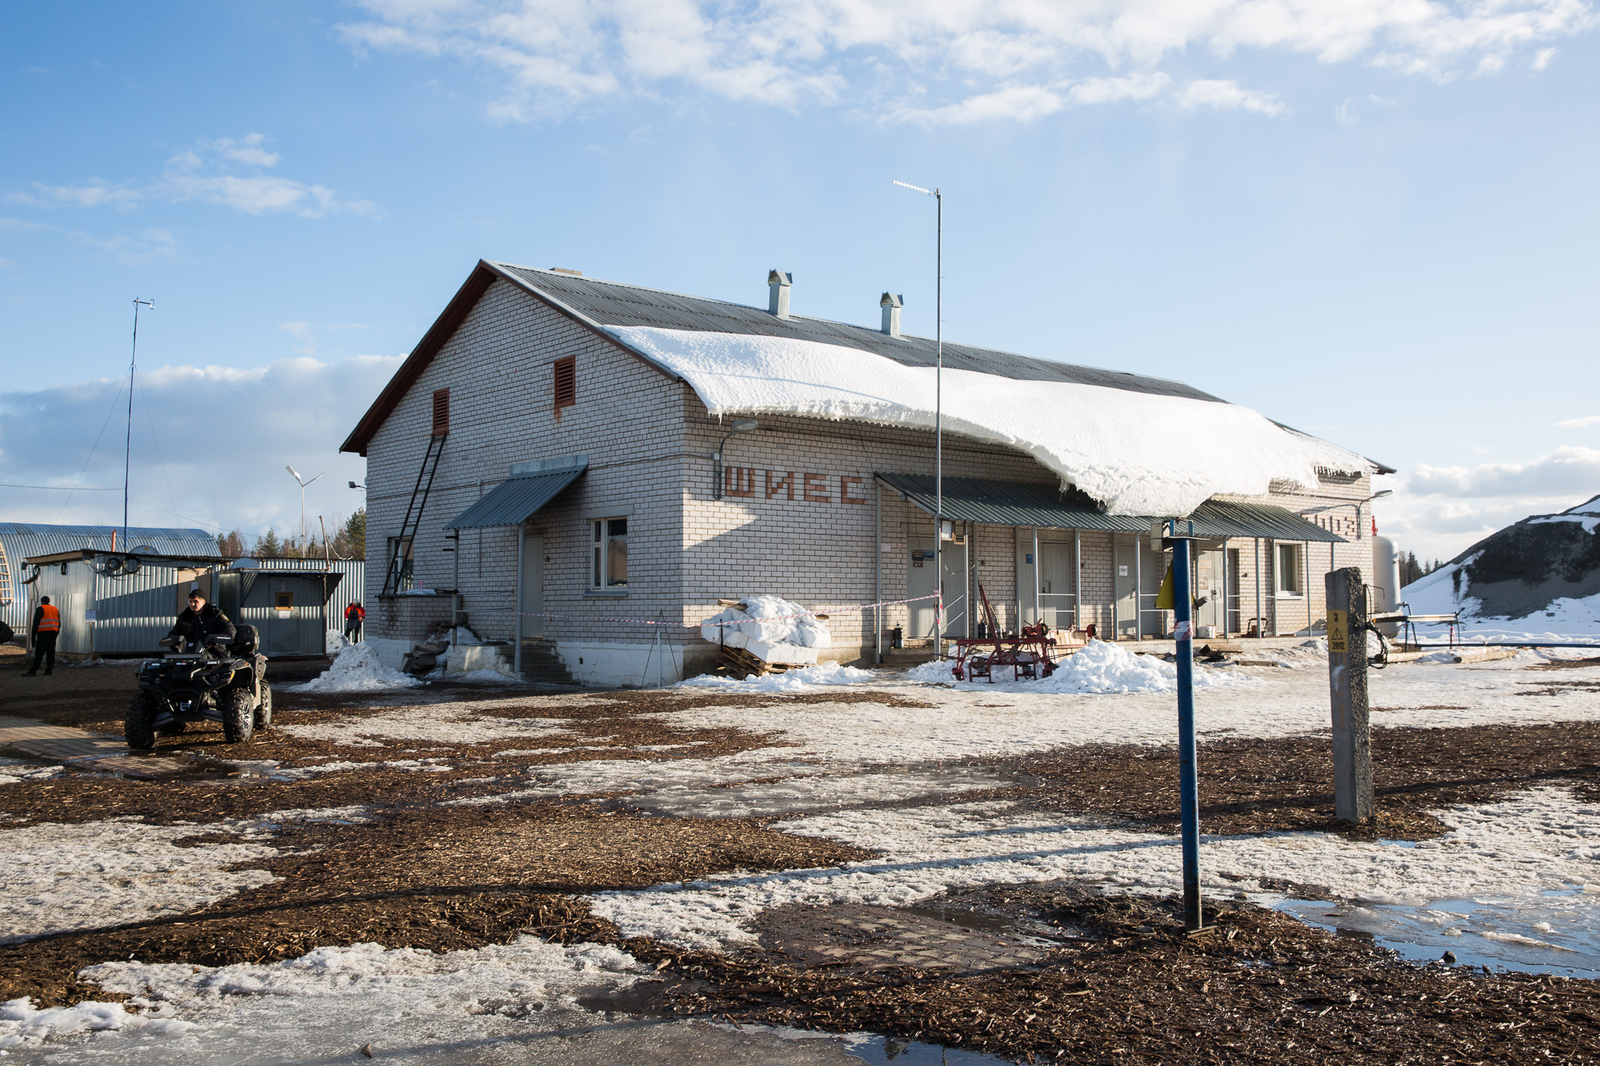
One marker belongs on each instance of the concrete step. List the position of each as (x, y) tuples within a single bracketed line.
[(541, 664)]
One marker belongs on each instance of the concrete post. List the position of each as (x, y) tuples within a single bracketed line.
[(1347, 686)]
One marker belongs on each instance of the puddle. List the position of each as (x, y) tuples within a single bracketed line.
[(884, 1049), (1557, 932)]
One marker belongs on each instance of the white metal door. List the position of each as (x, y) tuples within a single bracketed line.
[(1057, 584), (530, 590), (919, 582)]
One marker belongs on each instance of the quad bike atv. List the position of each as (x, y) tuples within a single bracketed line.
[(220, 682)]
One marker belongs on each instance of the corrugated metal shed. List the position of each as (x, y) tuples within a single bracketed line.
[(288, 604), (22, 540), (347, 591), (117, 614), (610, 303), (514, 499), (1008, 503)]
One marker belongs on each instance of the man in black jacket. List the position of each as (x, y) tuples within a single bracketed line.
[(200, 621)]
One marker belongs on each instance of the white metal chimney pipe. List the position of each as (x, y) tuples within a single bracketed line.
[(779, 282), (891, 305)]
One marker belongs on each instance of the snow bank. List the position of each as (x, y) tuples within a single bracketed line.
[(770, 628), (357, 669), (1132, 451), (1098, 668), (22, 1025), (789, 681), (333, 642)]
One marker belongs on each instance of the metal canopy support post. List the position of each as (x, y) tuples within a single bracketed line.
[(516, 658), (1347, 686), (1138, 589), (1305, 564), (1077, 573), (877, 577), (1038, 614), (1188, 776), (1261, 623)]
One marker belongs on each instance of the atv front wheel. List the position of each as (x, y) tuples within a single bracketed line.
[(264, 712), (139, 727), (238, 716)]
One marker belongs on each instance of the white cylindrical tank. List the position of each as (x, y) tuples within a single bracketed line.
[(1385, 582)]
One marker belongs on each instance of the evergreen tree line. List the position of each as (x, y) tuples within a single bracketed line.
[(349, 541), (1412, 569)]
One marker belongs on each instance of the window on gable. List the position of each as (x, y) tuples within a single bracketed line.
[(610, 553), (441, 412), (566, 382)]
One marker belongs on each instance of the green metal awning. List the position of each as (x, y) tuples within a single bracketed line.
[(515, 500), (1011, 503)]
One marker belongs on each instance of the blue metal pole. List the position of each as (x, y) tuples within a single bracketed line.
[(1188, 780)]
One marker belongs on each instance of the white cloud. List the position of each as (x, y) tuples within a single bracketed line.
[(1574, 423), (1542, 57), (129, 249), (1227, 96), (1566, 470), (1109, 90), (293, 411), (301, 332), (1004, 59), (208, 173), (1491, 64)]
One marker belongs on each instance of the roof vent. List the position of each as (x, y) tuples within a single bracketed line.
[(566, 270), (779, 283), (891, 305)]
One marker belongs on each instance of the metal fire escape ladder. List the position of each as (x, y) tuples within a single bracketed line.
[(413, 520), (5, 578)]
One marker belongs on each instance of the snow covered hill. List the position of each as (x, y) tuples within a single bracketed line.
[(1538, 577)]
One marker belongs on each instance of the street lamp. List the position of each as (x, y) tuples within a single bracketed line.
[(744, 425), (294, 474)]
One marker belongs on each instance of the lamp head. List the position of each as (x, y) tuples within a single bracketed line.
[(292, 472), (744, 425), (1381, 495)]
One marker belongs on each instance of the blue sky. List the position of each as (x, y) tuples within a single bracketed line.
[(1375, 221)]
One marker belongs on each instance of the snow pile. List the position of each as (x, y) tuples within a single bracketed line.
[(357, 669), (770, 628), (1132, 451), (789, 681), (1098, 668), (21, 1025), (333, 642)]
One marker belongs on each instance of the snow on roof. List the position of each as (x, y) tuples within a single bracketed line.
[(1136, 453)]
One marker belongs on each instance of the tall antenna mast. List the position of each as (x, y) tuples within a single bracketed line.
[(127, 454), (938, 415)]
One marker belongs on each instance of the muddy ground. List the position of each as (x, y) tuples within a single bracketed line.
[(1112, 979)]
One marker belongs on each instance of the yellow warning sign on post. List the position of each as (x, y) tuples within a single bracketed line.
[(1338, 632)]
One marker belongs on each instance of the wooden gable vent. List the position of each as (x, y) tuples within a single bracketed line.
[(566, 382), (441, 412)]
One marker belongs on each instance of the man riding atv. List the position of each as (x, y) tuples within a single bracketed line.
[(213, 672)]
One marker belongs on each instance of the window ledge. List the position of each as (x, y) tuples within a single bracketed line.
[(615, 594), (1289, 595)]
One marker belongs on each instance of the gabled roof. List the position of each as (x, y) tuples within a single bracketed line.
[(597, 304)]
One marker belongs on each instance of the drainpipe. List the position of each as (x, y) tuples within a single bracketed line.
[(1261, 623), (1038, 615), (1077, 573), (1138, 589), (877, 576)]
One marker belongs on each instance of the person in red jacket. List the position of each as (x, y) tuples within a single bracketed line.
[(46, 627), (354, 615)]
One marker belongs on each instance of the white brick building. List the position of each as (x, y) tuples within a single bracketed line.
[(577, 467)]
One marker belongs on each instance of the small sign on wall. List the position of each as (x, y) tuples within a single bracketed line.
[(1122, 571)]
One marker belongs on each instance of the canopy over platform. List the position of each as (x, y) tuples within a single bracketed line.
[(1010, 503)]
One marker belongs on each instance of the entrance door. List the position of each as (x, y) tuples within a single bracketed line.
[(1208, 584), (1235, 621), (919, 582), (530, 594), (1124, 586), (957, 613), (1057, 587)]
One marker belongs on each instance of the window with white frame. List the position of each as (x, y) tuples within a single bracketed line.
[(610, 553), (1290, 570)]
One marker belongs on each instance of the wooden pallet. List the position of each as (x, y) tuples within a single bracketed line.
[(739, 662)]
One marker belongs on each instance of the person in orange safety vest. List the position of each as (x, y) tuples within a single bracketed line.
[(46, 627), (354, 615)]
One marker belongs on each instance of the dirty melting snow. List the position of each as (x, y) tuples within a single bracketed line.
[(55, 878), (1097, 668), (1535, 841), (333, 997), (441, 723)]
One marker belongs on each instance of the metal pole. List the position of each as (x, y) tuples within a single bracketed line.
[(877, 576), (1188, 777), (938, 420), (1038, 614), (127, 453), (1077, 575), (1138, 589), (1261, 623), (1305, 563)]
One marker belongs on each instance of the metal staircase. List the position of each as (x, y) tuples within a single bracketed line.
[(397, 577)]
